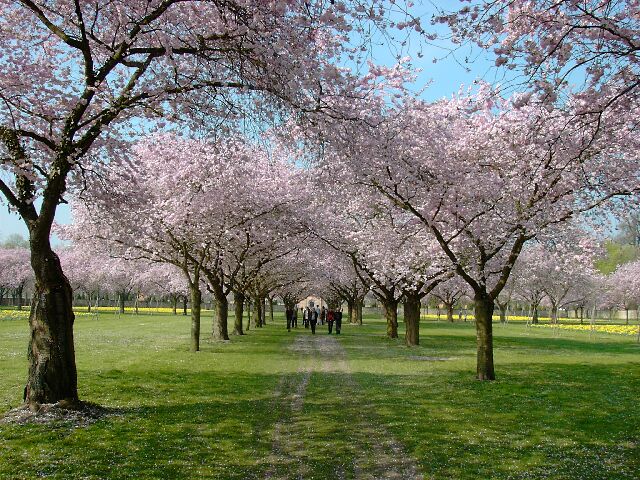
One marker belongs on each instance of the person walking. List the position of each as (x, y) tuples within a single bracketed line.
[(294, 318), (338, 319), (305, 317), (323, 315), (289, 314), (313, 320), (330, 319)]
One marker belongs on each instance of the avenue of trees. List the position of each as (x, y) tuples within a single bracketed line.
[(223, 148)]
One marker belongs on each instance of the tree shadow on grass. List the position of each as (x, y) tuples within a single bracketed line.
[(537, 421), (212, 427)]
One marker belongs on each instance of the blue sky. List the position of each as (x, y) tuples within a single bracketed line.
[(445, 77)]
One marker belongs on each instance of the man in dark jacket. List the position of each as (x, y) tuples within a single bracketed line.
[(313, 320), (338, 319), (289, 314)]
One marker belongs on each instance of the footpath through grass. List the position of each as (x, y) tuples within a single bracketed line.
[(274, 405)]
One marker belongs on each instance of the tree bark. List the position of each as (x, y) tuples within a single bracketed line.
[(257, 312), (554, 314), (449, 312), (184, 305), (121, 300), (503, 312), (271, 310), (174, 304), (483, 310), (196, 301), (248, 314), (19, 291), (238, 308), (412, 319), (359, 307), (534, 314), (51, 354), (391, 314), (220, 325), (350, 312)]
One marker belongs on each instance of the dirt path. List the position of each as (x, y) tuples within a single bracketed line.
[(301, 449)]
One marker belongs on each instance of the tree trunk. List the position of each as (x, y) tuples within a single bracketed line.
[(449, 312), (554, 313), (51, 354), (89, 303), (626, 310), (19, 294), (483, 310), (534, 314), (350, 312), (121, 300), (412, 319), (257, 312), (184, 305), (248, 314), (581, 315), (271, 310), (359, 307), (220, 325), (503, 312), (391, 314), (196, 301), (238, 308), (174, 304)]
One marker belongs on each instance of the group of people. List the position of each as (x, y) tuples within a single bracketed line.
[(312, 315)]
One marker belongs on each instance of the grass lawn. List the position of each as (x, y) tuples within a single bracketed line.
[(565, 405)]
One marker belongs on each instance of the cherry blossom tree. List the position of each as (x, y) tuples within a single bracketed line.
[(389, 250), (15, 272), (85, 271), (623, 287), (529, 280), (511, 172), (590, 46), (225, 222), (449, 293), (78, 77)]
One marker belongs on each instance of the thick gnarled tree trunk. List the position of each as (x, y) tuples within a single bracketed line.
[(51, 354), (220, 324), (391, 314), (412, 319), (483, 310)]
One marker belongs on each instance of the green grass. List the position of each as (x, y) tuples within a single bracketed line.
[(565, 405)]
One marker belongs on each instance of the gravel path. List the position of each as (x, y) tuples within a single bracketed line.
[(373, 453)]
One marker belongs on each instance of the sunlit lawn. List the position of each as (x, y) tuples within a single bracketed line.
[(565, 405)]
